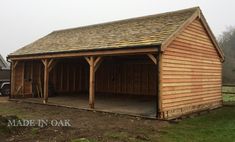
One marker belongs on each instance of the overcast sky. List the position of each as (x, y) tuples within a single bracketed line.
[(24, 21)]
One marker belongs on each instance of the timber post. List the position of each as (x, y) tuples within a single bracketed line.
[(94, 65), (48, 65), (156, 63), (13, 66), (45, 84), (92, 83), (159, 84)]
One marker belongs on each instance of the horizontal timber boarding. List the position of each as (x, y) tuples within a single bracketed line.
[(191, 71), (189, 87), (185, 105), (195, 43), (170, 80), (189, 52), (190, 62), (194, 101), (191, 92), (189, 84), (191, 56), (187, 96), (189, 59), (192, 47), (215, 67), (190, 76)]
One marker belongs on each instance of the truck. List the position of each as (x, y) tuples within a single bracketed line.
[(4, 77)]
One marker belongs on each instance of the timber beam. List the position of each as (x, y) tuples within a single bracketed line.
[(153, 58), (116, 52)]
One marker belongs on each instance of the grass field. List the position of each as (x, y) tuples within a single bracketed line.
[(216, 126), (229, 94)]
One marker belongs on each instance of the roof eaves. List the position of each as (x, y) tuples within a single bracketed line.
[(157, 45)]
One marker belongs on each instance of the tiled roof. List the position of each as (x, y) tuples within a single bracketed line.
[(142, 31)]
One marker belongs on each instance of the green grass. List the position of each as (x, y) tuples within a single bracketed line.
[(228, 89), (229, 97), (217, 126), (126, 137)]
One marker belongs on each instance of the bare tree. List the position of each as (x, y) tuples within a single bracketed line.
[(227, 43)]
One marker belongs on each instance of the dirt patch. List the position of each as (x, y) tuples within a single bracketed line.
[(92, 126)]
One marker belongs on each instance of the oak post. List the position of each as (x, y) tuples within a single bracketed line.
[(159, 85), (13, 66), (92, 83), (46, 77), (94, 64)]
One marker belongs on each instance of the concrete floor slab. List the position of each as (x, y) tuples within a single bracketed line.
[(138, 106)]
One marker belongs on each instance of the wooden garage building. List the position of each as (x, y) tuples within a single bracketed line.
[(173, 57)]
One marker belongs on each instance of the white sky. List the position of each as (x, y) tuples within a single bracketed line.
[(24, 21)]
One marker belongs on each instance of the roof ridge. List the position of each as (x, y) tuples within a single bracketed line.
[(129, 19)]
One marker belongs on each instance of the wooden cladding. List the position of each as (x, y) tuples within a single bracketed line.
[(191, 71), (121, 76), (17, 79), (70, 76), (127, 78), (25, 75)]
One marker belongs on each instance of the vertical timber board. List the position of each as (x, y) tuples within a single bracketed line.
[(74, 79), (61, 76), (55, 80), (68, 77), (31, 76), (127, 78), (22, 77)]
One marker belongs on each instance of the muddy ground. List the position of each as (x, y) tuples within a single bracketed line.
[(85, 125)]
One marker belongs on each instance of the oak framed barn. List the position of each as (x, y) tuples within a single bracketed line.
[(171, 58)]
